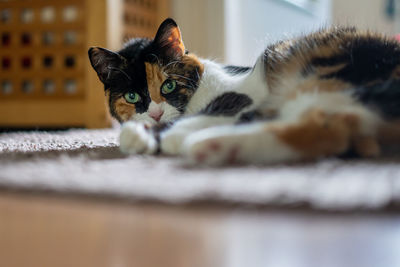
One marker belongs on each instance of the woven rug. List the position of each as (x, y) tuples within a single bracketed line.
[(88, 162)]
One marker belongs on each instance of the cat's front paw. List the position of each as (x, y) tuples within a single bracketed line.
[(136, 139), (171, 142)]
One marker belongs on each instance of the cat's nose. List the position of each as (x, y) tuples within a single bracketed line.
[(157, 114)]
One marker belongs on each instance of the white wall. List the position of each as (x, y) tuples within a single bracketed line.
[(365, 14), (202, 26), (251, 25), (237, 31)]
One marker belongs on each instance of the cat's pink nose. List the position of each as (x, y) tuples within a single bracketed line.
[(157, 114)]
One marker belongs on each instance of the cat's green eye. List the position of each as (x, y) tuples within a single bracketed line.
[(132, 97), (168, 86)]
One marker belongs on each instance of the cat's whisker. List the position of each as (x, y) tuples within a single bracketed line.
[(170, 63), (190, 86), (180, 76), (192, 83), (180, 83)]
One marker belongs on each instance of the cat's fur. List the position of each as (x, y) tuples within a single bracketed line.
[(318, 95)]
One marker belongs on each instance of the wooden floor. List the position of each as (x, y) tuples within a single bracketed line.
[(49, 231)]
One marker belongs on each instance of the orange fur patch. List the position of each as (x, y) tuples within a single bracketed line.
[(319, 134), (389, 132), (155, 78), (366, 146), (124, 110), (194, 62)]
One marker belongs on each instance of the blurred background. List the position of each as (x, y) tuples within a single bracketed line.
[(237, 31), (46, 80)]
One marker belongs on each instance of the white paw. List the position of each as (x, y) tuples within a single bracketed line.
[(135, 138), (171, 142), (218, 150)]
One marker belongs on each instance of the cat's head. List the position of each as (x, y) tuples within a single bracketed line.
[(148, 80)]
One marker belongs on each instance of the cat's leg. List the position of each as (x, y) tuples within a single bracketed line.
[(171, 139), (310, 131), (140, 138), (232, 144), (136, 137)]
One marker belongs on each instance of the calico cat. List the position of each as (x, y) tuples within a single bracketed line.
[(318, 95)]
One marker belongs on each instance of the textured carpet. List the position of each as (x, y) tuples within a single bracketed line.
[(88, 162)]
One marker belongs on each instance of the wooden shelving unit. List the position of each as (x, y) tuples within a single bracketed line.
[(45, 77)]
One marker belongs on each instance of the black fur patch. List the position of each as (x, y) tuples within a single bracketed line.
[(383, 97), (236, 69), (227, 104), (367, 59), (251, 116), (330, 61)]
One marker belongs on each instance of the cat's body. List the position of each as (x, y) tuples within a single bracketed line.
[(318, 95)]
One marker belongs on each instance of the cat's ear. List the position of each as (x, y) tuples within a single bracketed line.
[(105, 62), (169, 40)]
